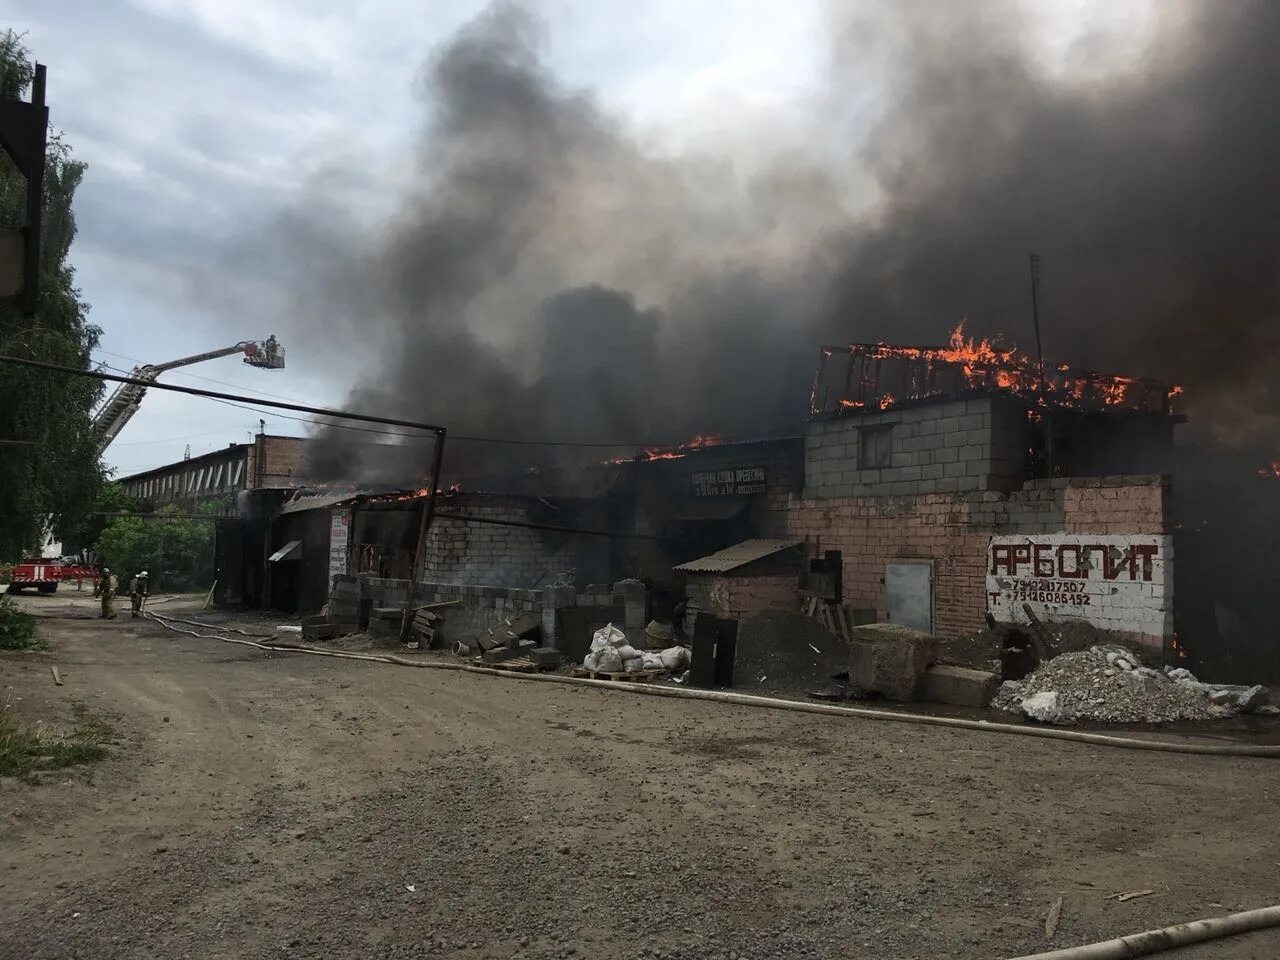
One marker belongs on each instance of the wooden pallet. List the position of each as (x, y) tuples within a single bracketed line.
[(516, 665), (640, 676)]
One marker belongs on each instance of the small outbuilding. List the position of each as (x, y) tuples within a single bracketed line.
[(741, 581)]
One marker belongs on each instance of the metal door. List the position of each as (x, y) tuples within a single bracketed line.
[(908, 591)]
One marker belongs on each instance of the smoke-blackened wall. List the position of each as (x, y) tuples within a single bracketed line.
[(547, 276)]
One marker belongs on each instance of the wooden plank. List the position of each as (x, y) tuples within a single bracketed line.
[(842, 621), (640, 676), (56, 677), (1051, 921), (519, 627), (436, 606), (827, 619)]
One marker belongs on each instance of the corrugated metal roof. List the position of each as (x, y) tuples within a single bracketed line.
[(740, 554), (316, 501)]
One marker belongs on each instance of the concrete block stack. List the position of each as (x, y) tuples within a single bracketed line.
[(890, 660), (344, 601), (384, 622)]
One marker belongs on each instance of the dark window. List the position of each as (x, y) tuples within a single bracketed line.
[(874, 446)]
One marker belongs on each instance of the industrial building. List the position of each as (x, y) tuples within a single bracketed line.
[(269, 462)]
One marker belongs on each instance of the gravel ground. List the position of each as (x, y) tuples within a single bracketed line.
[(291, 806)]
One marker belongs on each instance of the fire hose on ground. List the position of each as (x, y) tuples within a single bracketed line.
[(745, 700), (1167, 938), (1120, 948)]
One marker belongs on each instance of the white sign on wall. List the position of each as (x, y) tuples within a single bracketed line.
[(1115, 582), (339, 534)]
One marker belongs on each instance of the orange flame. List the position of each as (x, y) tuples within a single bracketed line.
[(984, 363), (1270, 470), (671, 453)]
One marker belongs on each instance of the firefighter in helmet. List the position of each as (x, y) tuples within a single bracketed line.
[(108, 594), (139, 590)]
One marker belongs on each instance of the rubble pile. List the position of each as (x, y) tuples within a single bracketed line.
[(1106, 683)]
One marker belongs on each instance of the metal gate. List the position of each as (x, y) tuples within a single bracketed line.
[(908, 591)]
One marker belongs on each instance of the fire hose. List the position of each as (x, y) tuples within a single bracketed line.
[(741, 699), (1167, 938)]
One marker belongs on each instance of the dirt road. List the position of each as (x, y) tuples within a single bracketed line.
[(292, 806)]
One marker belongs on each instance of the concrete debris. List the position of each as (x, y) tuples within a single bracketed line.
[(959, 686), (1042, 707), (1106, 683), (890, 659)]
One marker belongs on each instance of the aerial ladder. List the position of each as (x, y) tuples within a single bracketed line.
[(124, 402)]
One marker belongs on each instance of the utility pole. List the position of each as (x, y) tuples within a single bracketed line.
[(24, 135), (428, 511), (1044, 403)]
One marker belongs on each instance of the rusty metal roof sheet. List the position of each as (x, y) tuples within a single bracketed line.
[(740, 554)]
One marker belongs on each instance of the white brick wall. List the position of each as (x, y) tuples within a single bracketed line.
[(1121, 582)]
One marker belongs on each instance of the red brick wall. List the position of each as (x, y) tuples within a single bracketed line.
[(738, 597), (281, 460), (954, 529)]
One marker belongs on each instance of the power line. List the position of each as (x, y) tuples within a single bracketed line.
[(189, 436), (215, 395), (510, 441)]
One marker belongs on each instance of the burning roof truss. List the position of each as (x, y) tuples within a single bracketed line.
[(879, 375)]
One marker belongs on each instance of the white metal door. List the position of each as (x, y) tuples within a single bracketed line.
[(908, 591)]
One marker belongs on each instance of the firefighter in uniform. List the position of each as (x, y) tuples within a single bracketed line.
[(108, 594), (139, 590)]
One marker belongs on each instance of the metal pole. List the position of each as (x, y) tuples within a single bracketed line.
[(1035, 317), (428, 511)]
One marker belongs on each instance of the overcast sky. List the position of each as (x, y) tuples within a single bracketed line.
[(196, 116)]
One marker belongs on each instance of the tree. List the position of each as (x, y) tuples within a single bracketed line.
[(177, 552), (111, 498), (55, 472)]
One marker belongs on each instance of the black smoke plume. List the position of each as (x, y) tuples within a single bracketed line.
[(549, 277)]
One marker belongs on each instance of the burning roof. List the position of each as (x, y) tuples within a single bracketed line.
[(675, 452), (881, 375)]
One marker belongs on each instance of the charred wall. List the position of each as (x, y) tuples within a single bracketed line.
[(701, 501)]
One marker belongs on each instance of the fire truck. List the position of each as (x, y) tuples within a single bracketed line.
[(46, 574)]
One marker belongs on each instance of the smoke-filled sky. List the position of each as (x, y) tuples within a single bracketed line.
[(567, 221)]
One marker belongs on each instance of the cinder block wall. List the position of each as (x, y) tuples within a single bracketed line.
[(479, 609), (954, 530), (460, 552), (940, 447)]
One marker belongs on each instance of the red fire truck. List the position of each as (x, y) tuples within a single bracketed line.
[(45, 573)]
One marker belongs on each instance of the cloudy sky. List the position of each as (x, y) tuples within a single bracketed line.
[(199, 117)]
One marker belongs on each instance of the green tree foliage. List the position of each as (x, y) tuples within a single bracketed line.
[(59, 473), (17, 628), (178, 553), (111, 498)]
